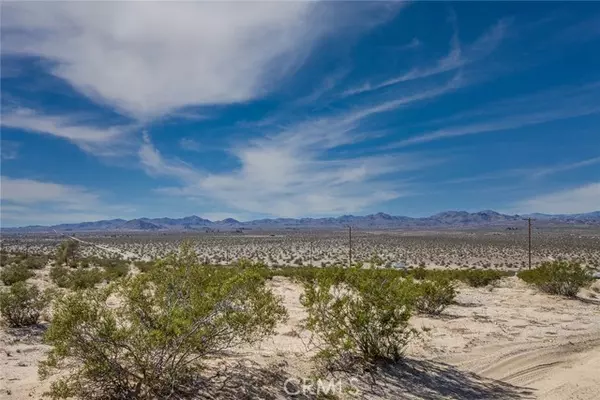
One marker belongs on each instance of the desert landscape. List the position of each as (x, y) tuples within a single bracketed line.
[(502, 339), (311, 200)]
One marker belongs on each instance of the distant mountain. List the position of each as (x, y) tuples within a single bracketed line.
[(446, 219), (140, 225)]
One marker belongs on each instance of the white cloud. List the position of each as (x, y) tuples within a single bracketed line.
[(522, 112), (542, 172), (28, 191), (455, 59), (190, 144), (153, 163), (291, 172), (581, 199), (9, 150), (147, 59), (97, 140), (29, 201)]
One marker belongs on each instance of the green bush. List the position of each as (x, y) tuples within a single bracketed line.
[(156, 341), (67, 252), (84, 278), (472, 277), (22, 304), (360, 315), (15, 273), (115, 269), (479, 278), (5, 259), (434, 296), (558, 277), (76, 279), (144, 266), (60, 276), (35, 262)]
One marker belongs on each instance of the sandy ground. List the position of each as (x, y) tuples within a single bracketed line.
[(505, 342)]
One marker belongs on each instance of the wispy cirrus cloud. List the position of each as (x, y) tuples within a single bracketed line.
[(9, 150), (97, 140), (522, 112), (26, 201), (579, 199), (456, 58), (527, 174), (290, 170), (154, 164), (550, 170)]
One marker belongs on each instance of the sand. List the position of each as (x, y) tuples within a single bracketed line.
[(503, 342)]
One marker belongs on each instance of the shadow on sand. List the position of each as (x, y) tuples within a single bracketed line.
[(408, 379), (425, 379)]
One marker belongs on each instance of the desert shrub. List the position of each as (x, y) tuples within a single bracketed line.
[(115, 269), (80, 279), (75, 279), (15, 273), (434, 296), (295, 273), (22, 304), (361, 316), (35, 262), (243, 263), (472, 277), (479, 278), (144, 266), (420, 273), (154, 343), (60, 276), (5, 259), (558, 277), (67, 252)]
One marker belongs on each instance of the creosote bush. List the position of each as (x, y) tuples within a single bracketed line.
[(67, 252), (35, 262), (75, 279), (22, 304), (114, 269), (166, 323), (15, 273), (434, 296), (472, 277), (558, 277), (358, 315), (144, 266)]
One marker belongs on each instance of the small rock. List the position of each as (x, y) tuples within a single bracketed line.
[(22, 364)]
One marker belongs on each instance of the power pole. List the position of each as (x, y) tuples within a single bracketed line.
[(529, 225), (350, 246)]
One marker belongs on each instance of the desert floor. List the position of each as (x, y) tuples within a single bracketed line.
[(501, 342)]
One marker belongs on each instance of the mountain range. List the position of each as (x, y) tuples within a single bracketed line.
[(447, 219)]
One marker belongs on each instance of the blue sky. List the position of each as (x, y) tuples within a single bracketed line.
[(251, 110)]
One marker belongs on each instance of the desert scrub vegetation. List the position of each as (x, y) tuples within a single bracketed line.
[(114, 269), (14, 273), (76, 279), (360, 316), (22, 304), (154, 343), (471, 277), (433, 296), (67, 252), (562, 278)]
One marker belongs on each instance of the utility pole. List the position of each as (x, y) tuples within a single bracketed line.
[(529, 225), (350, 246)]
